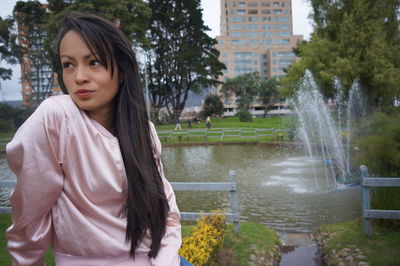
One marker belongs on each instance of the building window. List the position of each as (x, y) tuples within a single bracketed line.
[(252, 26), (275, 4), (267, 26), (241, 12), (266, 19), (265, 3), (253, 11), (252, 4), (253, 34), (242, 4), (277, 11), (284, 19), (236, 34), (265, 11), (253, 19)]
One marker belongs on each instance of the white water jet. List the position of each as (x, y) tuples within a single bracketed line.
[(318, 131)]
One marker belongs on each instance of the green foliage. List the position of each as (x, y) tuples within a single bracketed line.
[(268, 92), (9, 51), (353, 39), (11, 118), (244, 115), (378, 141), (212, 106), (182, 56), (246, 88)]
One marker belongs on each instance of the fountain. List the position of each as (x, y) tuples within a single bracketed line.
[(318, 132)]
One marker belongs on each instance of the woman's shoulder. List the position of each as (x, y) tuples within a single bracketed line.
[(58, 106)]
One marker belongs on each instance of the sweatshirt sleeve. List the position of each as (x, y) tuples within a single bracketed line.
[(35, 156), (170, 244)]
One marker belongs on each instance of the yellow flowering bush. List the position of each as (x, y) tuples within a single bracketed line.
[(203, 246)]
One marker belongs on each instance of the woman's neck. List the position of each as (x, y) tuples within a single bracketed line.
[(106, 119)]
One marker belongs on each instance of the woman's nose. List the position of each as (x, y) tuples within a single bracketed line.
[(81, 75)]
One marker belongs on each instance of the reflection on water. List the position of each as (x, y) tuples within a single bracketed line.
[(277, 187)]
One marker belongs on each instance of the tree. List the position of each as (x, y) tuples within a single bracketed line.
[(36, 66), (245, 87), (268, 93), (212, 106), (353, 39), (8, 47), (182, 56)]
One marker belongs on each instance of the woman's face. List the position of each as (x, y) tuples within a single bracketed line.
[(91, 86)]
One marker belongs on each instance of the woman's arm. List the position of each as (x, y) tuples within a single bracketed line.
[(35, 156), (171, 242)]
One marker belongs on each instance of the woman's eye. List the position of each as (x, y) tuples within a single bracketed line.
[(67, 65), (95, 63)]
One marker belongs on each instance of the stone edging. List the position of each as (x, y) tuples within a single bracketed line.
[(348, 256)]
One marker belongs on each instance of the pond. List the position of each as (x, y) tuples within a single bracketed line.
[(278, 187)]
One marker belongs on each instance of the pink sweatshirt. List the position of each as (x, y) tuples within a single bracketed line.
[(70, 193)]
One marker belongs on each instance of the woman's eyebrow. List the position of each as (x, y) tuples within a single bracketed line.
[(84, 57)]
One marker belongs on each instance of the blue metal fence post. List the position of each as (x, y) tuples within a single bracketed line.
[(365, 201), (235, 203)]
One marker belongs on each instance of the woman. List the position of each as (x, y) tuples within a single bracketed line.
[(90, 180)]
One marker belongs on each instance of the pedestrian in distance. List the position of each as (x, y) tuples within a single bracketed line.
[(208, 122), (90, 181)]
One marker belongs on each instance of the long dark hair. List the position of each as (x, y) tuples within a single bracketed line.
[(146, 204)]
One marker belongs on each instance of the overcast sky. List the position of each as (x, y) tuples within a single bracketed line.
[(11, 90)]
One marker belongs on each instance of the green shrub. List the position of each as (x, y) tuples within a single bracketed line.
[(244, 115), (378, 143)]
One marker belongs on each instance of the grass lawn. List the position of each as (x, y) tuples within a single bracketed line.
[(383, 248), (167, 134), (233, 122), (238, 248)]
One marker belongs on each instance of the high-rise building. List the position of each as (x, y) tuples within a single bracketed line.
[(256, 36), (38, 81)]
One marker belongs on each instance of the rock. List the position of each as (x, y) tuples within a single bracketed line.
[(346, 249), (253, 257), (361, 257), (252, 263), (357, 250), (341, 264), (333, 251), (350, 259), (363, 263)]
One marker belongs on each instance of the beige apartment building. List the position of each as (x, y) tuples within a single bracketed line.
[(256, 36)]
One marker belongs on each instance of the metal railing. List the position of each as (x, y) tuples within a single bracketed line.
[(221, 133), (212, 186), (367, 212)]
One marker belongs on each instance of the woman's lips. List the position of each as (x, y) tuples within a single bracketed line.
[(83, 93)]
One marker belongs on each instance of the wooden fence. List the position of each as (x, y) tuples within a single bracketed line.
[(221, 133), (179, 186), (367, 212)]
